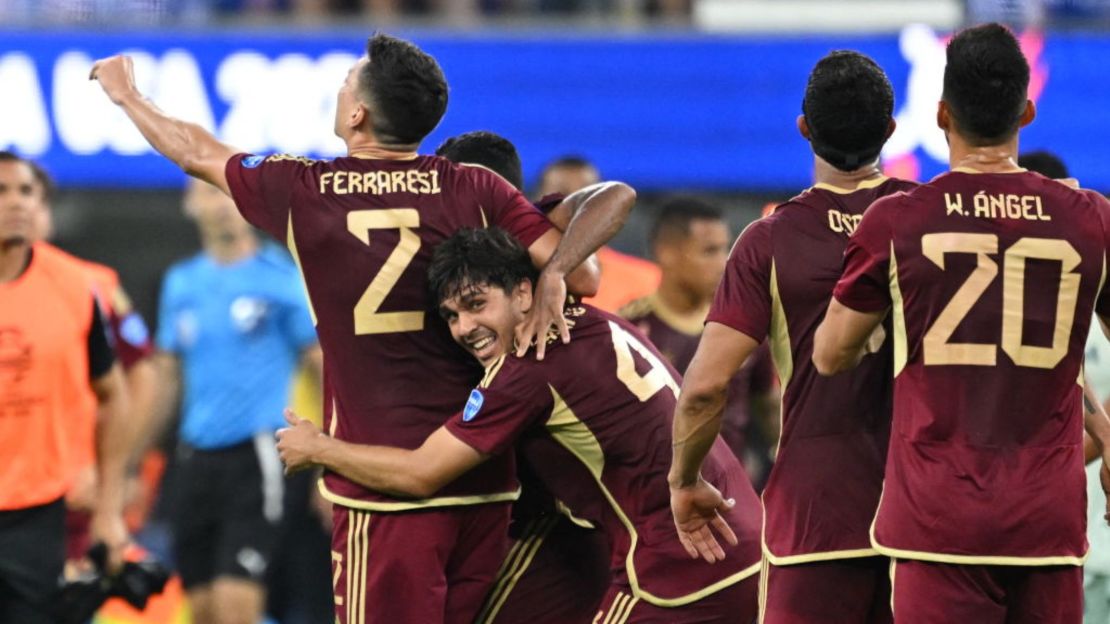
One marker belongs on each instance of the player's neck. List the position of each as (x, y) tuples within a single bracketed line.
[(680, 300), (13, 260), (230, 249), (824, 173), (987, 159), (370, 148)]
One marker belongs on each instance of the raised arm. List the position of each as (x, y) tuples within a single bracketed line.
[(418, 473), (188, 145), (600, 212)]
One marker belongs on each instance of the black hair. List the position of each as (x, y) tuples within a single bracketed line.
[(569, 161), (488, 149), (848, 106), (986, 84), (1045, 163), (6, 156), (44, 180), (675, 216), (473, 258), (405, 88)]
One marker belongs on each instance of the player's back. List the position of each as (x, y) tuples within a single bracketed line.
[(362, 232), (778, 283), (993, 280), (613, 399)]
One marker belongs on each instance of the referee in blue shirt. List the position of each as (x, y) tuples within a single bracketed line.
[(233, 325)]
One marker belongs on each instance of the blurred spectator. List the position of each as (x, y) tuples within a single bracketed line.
[(623, 277), (690, 240)]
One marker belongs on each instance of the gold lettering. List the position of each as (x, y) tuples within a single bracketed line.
[(998, 206), (383, 183), (411, 176), (1040, 210), (982, 207), (954, 205), (1013, 206), (398, 181), (834, 221), (424, 186), (370, 182), (1027, 205), (435, 182), (324, 181), (337, 183), (354, 182)]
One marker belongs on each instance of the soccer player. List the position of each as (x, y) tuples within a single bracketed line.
[(593, 419), (557, 570), (623, 277), (990, 274), (232, 327), (827, 475), (690, 241), (55, 361), (362, 229)]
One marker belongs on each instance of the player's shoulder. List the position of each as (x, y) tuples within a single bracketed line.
[(512, 373), (637, 309)]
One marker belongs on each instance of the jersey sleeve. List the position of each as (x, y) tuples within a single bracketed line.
[(166, 338), (743, 299), (128, 329), (262, 187), (864, 284), (508, 401), (507, 207), (1102, 206)]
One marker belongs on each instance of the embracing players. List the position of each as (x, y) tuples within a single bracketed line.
[(827, 476), (990, 274), (593, 420), (362, 229)]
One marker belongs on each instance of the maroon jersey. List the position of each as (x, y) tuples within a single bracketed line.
[(827, 476), (677, 339), (362, 232), (593, 419), (992, 279)]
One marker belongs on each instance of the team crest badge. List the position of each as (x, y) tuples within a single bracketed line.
[(473, 404)]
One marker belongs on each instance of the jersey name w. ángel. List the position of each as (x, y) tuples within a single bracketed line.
[(827, 476), (991, 279), (362, 232)]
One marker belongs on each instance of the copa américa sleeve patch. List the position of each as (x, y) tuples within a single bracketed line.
[(473, 404), (250, 162)]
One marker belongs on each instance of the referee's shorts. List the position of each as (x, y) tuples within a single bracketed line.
[(32, 557)]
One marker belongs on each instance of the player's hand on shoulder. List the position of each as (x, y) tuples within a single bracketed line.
[(697, 515), (299, 443), (116, 75), (548, 299)]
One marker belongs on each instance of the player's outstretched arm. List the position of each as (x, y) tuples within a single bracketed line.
[(418, 473), (188, 145), (696, 505), (600, 214), (841, 340)]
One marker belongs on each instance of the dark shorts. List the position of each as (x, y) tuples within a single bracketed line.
[(735, 604), (32, 555), (229, 511), (418, 566), (555, 573), (926, 592), (841, 591)]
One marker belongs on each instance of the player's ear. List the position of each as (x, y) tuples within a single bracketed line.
[(359, 115), (1028, 115), (803, 127), (944, 116), (891, 127), (523, 294)]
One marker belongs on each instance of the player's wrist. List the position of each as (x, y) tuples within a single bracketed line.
[(682, 482)]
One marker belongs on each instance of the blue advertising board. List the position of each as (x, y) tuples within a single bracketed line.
[(661, 111)]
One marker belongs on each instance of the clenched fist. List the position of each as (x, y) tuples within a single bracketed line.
[(116, 75)]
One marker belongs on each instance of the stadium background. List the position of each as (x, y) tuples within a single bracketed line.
[(695, 96)]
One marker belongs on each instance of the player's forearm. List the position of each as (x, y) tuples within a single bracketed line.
[(697, 422), (142, 389), (188, 145), (1095, 421), (115, 435), (384, 469), (598, 217)]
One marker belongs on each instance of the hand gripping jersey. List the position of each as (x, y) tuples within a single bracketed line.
[(827, 477), (594, 421), (991, 280), (362, 232)]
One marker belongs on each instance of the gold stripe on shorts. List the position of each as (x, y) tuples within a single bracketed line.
[(622, 618), (515, 565)]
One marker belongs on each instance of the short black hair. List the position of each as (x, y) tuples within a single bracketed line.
[(7, 156), (1045, 163), (488, 149), (473, 258), (848, 106), (676, 214), (986, 83), (44, 179), (405, 88)]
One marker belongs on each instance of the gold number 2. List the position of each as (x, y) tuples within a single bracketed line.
[(368, 320), (937, 349), (643, 386)]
